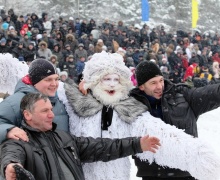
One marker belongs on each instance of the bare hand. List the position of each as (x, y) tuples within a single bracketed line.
[(17, 133), (10, 171), (149, 143), (81, 88)]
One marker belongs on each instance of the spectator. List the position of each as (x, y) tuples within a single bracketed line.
[(19, 52), (43, 51), (80, 64), (72, 41), (80, 52)]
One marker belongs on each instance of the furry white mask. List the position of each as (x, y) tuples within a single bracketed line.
[(109, 90)]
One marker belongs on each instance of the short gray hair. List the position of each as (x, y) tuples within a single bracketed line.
[(28, 101)]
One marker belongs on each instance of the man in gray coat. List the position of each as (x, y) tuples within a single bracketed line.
[(42, 78)]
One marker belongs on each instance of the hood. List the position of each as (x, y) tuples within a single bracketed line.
[(25, 88), (43, 43), (70, 37)]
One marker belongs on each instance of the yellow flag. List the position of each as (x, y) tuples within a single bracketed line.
[(195, 13)]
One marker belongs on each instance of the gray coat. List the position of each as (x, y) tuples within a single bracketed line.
[(11, 116)]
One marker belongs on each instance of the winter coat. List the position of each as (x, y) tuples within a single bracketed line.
[(30, 55), (72, 41), (181, 107), (10, 115), (45, 165), (215, 68), (72, 69), (58, 54), (190, 71), (79, 53), (19, 53), (4, 49), (79, 67), (46, 53), (174, 60)]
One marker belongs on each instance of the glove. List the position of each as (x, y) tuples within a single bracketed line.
[(22, 174)]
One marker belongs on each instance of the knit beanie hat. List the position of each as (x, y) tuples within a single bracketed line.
[(145, 71), (39, 69)]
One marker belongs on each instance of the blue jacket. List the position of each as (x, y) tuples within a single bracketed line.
[(79, 67), (10, 115)]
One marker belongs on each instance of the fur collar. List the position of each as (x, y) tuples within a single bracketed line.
[(85, 106)]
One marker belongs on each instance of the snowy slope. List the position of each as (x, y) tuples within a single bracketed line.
[(209, 130)]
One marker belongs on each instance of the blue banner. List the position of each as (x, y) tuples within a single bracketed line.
[(145, 10)]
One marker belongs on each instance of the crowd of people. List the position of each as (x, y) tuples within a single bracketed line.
[(68, 43), (118, 58)]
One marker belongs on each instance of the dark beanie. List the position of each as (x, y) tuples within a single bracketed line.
[(39, 69), (145, 71)]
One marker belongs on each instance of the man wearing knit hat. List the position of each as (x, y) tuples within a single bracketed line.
[(108, 112), (42, 77), (175, 104)]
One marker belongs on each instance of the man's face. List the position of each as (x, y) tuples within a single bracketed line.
[(109, 90), (110, 81), (48, 86), (154, 87), (41, 117)]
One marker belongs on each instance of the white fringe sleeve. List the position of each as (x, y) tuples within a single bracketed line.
[(178, 149)]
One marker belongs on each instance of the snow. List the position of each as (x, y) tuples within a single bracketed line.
[(208, 129)]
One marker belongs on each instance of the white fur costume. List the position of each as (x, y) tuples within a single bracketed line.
[(11, 70), (130, 118)]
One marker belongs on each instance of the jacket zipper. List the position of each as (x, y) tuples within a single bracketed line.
[(51, 145)]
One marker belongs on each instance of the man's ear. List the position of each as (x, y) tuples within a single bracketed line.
[(141, 87), (27, 115)]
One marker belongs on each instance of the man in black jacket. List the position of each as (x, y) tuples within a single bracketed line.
[(56, 155), (175, 104)]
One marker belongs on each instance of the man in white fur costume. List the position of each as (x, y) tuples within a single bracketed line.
[(108, 112)]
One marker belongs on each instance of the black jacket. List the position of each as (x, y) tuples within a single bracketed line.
[(39, 155), (181, 107)]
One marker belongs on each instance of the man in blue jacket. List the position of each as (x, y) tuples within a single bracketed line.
[(42, 78)]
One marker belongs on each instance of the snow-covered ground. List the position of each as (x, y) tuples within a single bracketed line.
[(208, 129)]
